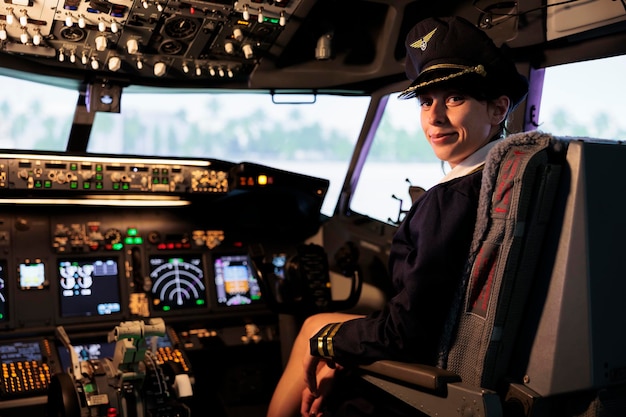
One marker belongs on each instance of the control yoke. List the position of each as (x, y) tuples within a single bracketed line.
[(304, 287)]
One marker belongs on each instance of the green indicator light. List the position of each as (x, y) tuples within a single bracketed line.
[(137, 240), (155, 180), (73, 185), (99, 186), (125, 186), (86, 185), (116, 186), (89, 388), (73, 167), (47, 184), (256, 297), (118, 246), (131, 232), (1, 316), (166, 308), (98, 167), (37, 184), (200, 302), (129, 240), (271, 20), (99, 177)]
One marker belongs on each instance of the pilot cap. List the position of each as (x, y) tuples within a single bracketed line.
[(450, 50)]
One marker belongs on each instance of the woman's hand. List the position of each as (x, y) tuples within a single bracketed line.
[(313, 400)]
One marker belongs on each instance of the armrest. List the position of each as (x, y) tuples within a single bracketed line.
[(433, 391), (424, 376)]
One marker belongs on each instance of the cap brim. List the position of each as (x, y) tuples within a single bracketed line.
[(439, 74)]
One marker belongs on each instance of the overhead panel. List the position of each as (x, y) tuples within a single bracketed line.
[(570, 18), (158, 39)]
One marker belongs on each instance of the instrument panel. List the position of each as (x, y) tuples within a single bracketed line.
[(87, 257), (153, 39)]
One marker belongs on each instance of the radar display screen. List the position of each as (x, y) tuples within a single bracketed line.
[(178, 283), (89, 287), (235, 284)]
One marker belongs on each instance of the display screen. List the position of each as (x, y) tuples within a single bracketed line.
[(178, 283), (89, 287), (20, 352), (32, 276), (4, 305), (95, 350), (235, 284), (86, 351)]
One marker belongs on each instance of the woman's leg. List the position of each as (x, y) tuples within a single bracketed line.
[(288, 393)]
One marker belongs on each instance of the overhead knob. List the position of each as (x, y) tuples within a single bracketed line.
[(37, 37), (132, 46), (23, 18), (115, 63), (159, 69), (101, 43), (238, 34), (247, 51)]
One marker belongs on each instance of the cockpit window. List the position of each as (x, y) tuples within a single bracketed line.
[(313, 136), (399, 157), (585, 99), (35, 116)]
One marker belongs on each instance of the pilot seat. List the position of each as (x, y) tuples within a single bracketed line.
[(539, 324)]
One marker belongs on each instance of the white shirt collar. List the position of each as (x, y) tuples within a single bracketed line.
[(470, 163)]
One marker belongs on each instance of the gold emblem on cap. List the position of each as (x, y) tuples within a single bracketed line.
[(422, 43)]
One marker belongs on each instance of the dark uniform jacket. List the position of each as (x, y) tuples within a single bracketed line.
[(426, 263)]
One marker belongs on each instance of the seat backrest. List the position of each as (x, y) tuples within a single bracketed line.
[(520, 179), (544, 304), (575, 327)]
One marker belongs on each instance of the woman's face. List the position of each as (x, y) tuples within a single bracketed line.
[(456, 124)]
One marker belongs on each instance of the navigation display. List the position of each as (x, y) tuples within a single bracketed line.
[(235, 284), (89, 287), (178, 283)]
